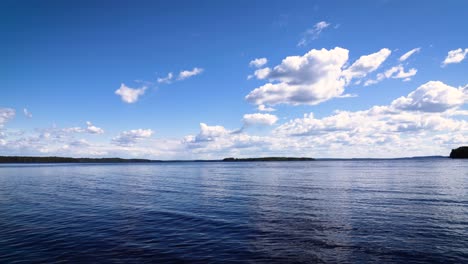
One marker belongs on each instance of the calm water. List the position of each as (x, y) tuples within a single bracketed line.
[(288, 212)]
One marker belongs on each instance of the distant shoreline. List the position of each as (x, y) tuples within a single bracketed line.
[(54, 159)]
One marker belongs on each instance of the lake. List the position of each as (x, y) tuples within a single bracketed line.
[(350, 211)]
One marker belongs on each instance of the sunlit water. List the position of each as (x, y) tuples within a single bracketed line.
[(259, 212)]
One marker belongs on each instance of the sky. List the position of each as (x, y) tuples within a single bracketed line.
[(216, 79)]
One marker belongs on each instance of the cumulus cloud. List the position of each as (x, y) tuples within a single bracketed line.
[(430, 120), (409, 53), (49, 142), (93, 129), (27, 113), (262, 73), (455, 56), (309, 79), (433, 96), (131, 137), (264, 108), (313, 33), (210, 133), (187, 73), (401, 74), (258, 62), (396, 72), (377, 132), (365, 125), (167, 79), (413, 121), (130, 95), (259, 119), (453, 139), (366, 64), (217, 141), (339, 122), (315, 77), (6, 114)]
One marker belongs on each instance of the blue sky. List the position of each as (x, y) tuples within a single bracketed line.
[(91, 79)]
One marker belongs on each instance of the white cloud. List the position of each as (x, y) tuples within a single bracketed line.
[(64, 130), (51, 141), (309, 79), (263, 108), (27, 113), (262, 73), (93, 129), (407, 127), (396, 72), (347, 96), (433, 96), (60, 133), (258, 62), (259, 119), (401, 74), (451, 139), (6, 114), (131, 137), (218, 142), (366, 64), (187, 74), (408, 54), (313, 33), (79, 143), (455, 56), (376, 132), (40, 142), (167, 79), (365, 134), (315, 77), (181, 76), (365, 125), (130, 95), (339, 122), (210, 133), (410, 124)]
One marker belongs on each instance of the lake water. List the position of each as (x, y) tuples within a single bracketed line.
[(408, 211)]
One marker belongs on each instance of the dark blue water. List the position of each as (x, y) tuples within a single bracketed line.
[(408, 211)]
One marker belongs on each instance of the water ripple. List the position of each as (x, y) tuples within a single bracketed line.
[(319, 212)]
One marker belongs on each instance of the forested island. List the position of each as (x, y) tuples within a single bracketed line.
[(24, 159), (269, 159), (459, 153)]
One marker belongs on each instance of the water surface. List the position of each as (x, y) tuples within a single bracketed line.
[(408, 211)]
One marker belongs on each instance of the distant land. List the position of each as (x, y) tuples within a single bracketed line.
[(459, 153), (25, 159), (54, 159), (269, 159), (401, 158)]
